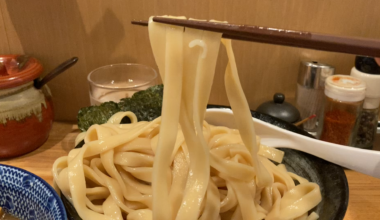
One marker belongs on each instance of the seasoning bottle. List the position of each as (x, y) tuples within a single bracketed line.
[(310, 87), (344, 96), (367, 70)]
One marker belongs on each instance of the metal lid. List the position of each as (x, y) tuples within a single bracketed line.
[(313, 74), (280, 109), (345, 88), (12, 76)]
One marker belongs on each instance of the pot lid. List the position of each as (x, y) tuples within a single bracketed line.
[(12, 76), (280, 109)]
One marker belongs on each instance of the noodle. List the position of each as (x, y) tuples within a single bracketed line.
[(179, 166)]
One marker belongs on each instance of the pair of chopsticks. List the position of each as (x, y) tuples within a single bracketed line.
[(317, 41)]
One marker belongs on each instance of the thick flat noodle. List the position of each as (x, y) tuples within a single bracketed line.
[(78, 189), (116, 118), (170, 118), (313, 216), (192, 113), (180, 171), (111, 209), (242, 115), (178, 166), (271, 153), (212, 204), (79, 138), (142, 214), (300, 199), (157, 37)]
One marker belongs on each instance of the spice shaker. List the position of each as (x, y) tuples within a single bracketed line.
[(367, 70), (310, 87), (344, 97)]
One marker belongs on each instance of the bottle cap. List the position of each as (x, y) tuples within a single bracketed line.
[(345, 88), (372, 94)]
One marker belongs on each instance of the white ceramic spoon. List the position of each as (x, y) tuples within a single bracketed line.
[(363, 161)]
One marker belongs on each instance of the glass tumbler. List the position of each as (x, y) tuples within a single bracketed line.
[(116, 81)]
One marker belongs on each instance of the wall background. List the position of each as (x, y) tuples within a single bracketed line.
[(99, 33)]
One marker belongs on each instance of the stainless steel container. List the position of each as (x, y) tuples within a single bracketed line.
[(310, 90)]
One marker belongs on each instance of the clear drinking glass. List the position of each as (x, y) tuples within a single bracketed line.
[(116, 81)]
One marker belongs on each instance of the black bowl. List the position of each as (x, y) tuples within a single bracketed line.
[(330, 177)]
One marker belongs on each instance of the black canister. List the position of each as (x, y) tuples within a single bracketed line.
[(280, 109)]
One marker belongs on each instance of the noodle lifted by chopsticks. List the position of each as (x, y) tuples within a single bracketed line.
[(178, 166)]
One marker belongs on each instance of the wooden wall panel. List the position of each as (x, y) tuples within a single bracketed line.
[(99, 33), (12, 42), (4, 45)]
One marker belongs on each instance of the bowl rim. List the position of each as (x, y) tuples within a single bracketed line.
[(55, 194)]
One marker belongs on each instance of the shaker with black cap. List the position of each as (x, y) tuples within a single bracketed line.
[(310, 91), (367, 70)]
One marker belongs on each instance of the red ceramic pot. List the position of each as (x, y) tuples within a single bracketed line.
[(26, 113)]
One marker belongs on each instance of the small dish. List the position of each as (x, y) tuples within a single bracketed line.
[(27, 196)]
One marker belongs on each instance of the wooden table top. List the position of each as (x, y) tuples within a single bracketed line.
[(364, 200)]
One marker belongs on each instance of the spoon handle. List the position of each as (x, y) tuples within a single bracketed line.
[(55, 72), (361, 160)]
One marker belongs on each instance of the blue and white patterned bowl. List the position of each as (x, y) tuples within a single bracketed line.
[(27, 196)]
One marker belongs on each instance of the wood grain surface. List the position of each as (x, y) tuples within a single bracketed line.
[(99, 33), (364, 198)]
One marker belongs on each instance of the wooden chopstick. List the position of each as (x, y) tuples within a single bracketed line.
[(317, 41), (305, 120)]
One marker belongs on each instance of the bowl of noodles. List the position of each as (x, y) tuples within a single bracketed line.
[(184, 166), (330, 177)]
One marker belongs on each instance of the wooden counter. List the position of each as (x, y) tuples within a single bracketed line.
[(364, 203)]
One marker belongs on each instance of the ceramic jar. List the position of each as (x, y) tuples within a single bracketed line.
[(26, 113)]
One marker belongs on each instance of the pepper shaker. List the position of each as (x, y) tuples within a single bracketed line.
[(367, 69), (310, 87)]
